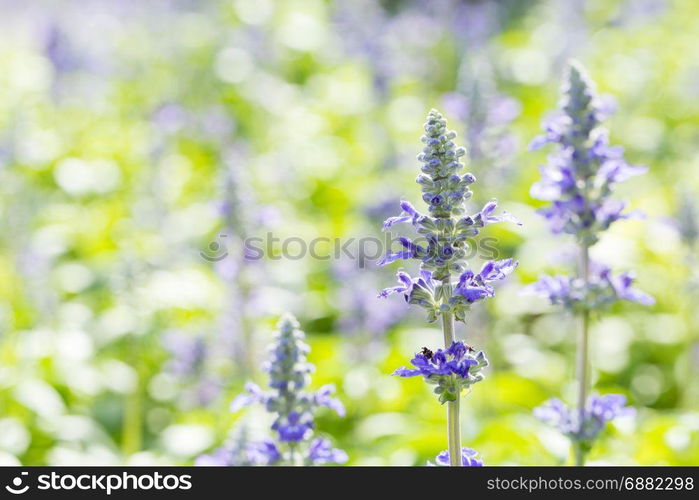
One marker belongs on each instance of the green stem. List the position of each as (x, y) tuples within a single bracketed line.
[(448, 329), (292, 453), (582, 361), (453, 427), (454, 433), (131, 427)]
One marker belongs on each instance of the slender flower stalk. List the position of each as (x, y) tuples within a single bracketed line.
[(442, 252), (686, 222), (453, 420), (578, 181), (581, 368), (292, 406)]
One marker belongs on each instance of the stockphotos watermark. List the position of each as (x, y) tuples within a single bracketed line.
[(105, 483), (361, 250)]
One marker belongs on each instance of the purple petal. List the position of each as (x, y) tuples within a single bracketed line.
[(406, 372)]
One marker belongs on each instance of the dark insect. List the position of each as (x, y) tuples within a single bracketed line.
[(426, 352)]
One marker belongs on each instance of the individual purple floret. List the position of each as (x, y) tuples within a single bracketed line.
[(264, 452), (469, 458), (289, 375), (598, 411), (452, 370), (419, 291), (294, 427), (321, 452), (474, 287)]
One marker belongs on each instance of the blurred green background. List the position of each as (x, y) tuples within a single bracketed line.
[(133, 135)]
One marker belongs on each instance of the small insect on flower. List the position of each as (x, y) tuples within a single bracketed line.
[(452, 370)]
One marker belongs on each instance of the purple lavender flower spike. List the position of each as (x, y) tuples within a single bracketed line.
[(445, 190), (469, 458), (485, 217), (446, 228), (578, 181), (409, 215), (474, 287), (293, 427), (292, 406), (582, 173)]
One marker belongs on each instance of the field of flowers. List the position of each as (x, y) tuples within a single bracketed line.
[(213, 248)]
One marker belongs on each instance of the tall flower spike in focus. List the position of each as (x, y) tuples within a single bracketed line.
[(291, 404), (446, 287), (579, 180)]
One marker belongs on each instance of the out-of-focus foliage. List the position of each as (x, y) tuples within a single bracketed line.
[(136, 137)]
